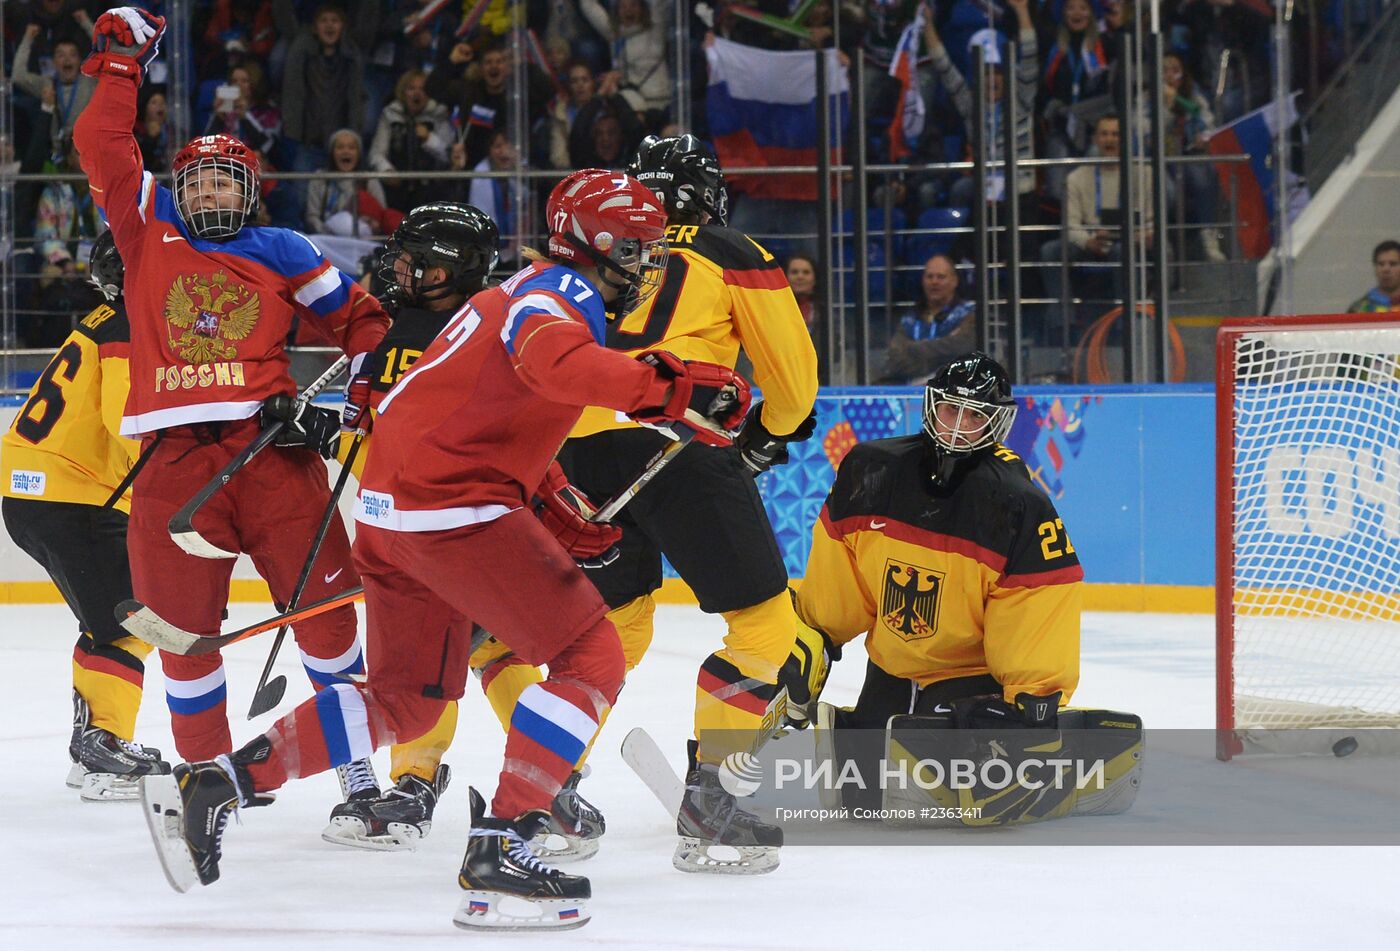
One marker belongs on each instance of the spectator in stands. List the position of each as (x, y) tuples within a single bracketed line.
[(940, 329), (606, 131), (565, 110), (1189, 124), (1206, 30), (564, 22), (638, 34), (477, 86), (414, 135), (249, 21), (348, 207), (153, 130), (252, 82), (322, 87), (66, 92), (500, 198), (1385, 296), (802, 278), (1076, 86), (68, 221), (232, 116), (1094, 222), (56, 21)]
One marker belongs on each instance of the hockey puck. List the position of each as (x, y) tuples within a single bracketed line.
[(1344, 747)]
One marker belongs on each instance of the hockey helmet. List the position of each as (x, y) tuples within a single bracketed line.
[(105, 267), (613, 222), (216, 185), (684, 173), (460, 239), (968, 408)]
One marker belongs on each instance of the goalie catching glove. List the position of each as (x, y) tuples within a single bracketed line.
[(307, 426), (124, 41), (706, 397), (558, 506), (760, 449)]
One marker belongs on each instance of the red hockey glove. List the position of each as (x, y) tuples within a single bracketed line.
[(355, 415), (709, 398), (124, 41), (556, 505)]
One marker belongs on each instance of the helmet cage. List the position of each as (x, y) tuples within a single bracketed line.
[(640, 265), (105, 268), (964, 425), (231, 184), (466, 268)]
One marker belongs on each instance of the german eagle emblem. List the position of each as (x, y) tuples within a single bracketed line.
[(205, 313)]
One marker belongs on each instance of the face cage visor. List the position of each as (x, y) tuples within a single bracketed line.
[(960, 426), (643, 265), (215, 196)]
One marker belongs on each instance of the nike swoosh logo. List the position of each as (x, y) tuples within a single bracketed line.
[(876, 525), (167, 238), (333, 575)]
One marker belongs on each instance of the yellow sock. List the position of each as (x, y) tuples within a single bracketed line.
[(422, 756), (109, 677)]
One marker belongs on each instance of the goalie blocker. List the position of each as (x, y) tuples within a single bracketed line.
[(953, 771)]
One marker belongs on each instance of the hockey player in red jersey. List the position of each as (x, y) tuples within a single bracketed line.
[(446, 538), (210, 300)]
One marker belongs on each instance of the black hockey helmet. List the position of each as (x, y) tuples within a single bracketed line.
[(460, 239), (105, 267), (684, 173), (968, 408)]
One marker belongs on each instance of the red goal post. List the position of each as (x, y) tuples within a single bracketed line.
[(1307, 532)]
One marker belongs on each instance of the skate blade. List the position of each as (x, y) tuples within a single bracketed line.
[(351, 833), (494, 911), (693, 855), (165, 817), (109, 787), (74, 780), (556, 848)]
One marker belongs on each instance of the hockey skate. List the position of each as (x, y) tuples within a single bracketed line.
[(715, 834), (396, 820), (575, 826), (105, 767), (507, 887), (187, 811)]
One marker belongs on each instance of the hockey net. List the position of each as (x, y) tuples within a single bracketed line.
[(1307, 530)]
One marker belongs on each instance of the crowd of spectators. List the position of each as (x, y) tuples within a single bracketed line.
[(414, 86)]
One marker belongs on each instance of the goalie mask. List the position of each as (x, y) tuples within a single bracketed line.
[(460, 239), (684, 174), (968, 408), (216, 186), (105, 267), (612, 222)]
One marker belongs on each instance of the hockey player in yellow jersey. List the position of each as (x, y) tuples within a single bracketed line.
[(958, 571), (66, 501)]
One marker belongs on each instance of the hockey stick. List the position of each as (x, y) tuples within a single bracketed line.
[(268, 693), (145, 624), (640, 752), (181, 525), (130, 478)]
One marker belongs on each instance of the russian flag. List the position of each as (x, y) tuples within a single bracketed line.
[(762, 110), (909, 112), (1253, 182)]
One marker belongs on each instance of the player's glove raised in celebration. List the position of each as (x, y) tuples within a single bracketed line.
[(558, 506), (760, 449), (355, 416), (124, 41), (307, 426), (706, 397)]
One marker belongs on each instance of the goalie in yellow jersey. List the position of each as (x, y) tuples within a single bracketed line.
[(958, 570), (66, 500)]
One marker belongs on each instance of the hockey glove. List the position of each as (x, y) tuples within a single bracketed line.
[(355, 415), (124, 41), (760, 449), (307, 426), (706, 397), (805, 673), (994, 713), (557, 506)]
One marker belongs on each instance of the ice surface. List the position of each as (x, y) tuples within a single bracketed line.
[(81, 875)]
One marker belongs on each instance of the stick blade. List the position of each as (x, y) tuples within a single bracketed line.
[(183, 533), (640, 752), (143, 623), (268, 697)]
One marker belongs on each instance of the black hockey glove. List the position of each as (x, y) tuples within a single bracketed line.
[(760, 449), (308, 427), (994, 713)]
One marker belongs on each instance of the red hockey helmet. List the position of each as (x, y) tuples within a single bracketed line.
[(613, 222), (216, 185)]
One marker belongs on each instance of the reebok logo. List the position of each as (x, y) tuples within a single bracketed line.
[(167, 238), (333, 575)]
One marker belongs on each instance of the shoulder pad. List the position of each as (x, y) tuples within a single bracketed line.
[(727, 248), (106, 323)]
